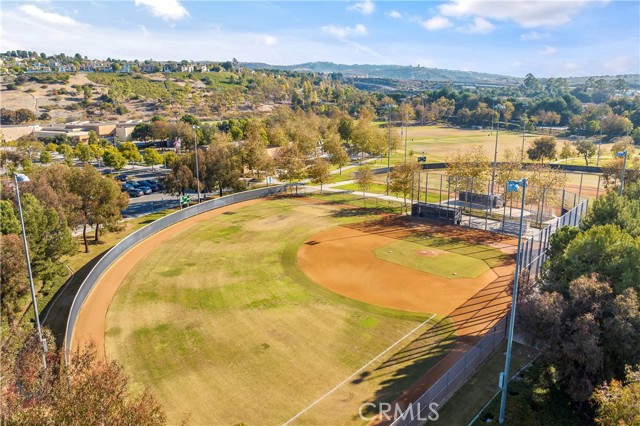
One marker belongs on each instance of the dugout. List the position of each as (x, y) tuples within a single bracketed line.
[(482, 199), (436, 211)]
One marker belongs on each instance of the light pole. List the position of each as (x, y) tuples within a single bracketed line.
[(17, 177), (624, 166), (195, 152), (512, 186), (524, 125), (495, 153), (599, 144), (389, 108)]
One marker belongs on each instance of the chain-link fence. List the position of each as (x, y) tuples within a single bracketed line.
[(532, 255), (119, 249), (456, 376), (486, 205)]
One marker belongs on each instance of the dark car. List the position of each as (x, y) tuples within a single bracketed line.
[(151, 184), (145, 189), (134, 192), (121, 178)]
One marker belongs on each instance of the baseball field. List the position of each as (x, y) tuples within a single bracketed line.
[(294, 309)]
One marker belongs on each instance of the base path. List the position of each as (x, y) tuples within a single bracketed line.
[(91, 324), (342, 259)]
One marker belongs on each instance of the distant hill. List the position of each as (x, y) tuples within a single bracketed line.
[(396, 72), (386, 77)]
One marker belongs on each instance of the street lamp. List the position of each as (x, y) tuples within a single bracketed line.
[(195, 152), (624, 166), (17, 177), (512, 186)]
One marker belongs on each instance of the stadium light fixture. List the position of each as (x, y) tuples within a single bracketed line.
[(512, 186)]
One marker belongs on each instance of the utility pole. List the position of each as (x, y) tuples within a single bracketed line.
[(524, 126)]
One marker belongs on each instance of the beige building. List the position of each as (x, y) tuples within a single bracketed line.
[(124, 130), (103, 130), (75, 133)]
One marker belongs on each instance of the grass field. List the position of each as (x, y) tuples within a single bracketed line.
[(447, 258), (220, 323), (437, 142)]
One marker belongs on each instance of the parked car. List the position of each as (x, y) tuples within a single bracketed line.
[(145, 189), (121, 178), (134, 192), (151, 184)]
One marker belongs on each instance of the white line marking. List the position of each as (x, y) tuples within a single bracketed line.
[(356, 372)]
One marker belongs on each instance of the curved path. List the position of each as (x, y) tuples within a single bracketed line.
[(91, 324)]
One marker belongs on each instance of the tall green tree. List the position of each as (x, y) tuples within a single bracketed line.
[(290, 163), (586, 333), (13, 280), (587, 149), (151, 157), (48, 236), (542, 148), (130, 152), (618, 401), (142, 132), (9, 223), (114, 158), (85, 184), (319, 172), (402, 179), (364, 178)]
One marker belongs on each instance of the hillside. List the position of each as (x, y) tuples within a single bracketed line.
[(398, 72)]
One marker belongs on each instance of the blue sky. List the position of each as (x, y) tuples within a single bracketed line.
[(511, 37)]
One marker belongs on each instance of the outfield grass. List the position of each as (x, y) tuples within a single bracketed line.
[(219, 322), (435, 261)]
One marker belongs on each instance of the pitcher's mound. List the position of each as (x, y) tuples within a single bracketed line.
[(428, 253)]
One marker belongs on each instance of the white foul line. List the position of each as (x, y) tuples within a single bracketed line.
[(356, 372)]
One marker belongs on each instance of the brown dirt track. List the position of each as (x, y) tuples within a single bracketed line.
[(91, 324)]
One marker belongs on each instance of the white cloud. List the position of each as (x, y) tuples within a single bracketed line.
[(436, 23), (394, 14), (266, 40), (533, 35), (342, 32), (366, 7), (169, 10), (548, 50), (144, 30), (480, 26), (48, 17), (526, 13), (621, 64)]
